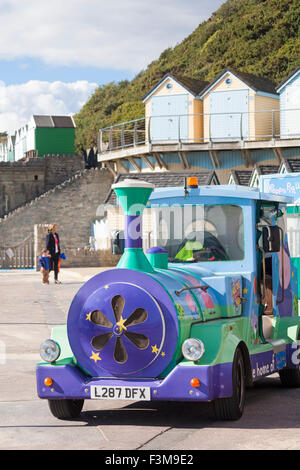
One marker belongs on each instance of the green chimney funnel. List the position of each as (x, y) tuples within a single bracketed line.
[(133, 196)]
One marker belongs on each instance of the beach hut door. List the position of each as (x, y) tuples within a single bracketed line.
[(169, 119), (289, 113), (229, 115)]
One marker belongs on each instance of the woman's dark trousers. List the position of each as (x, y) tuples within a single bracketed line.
[(54, 265)]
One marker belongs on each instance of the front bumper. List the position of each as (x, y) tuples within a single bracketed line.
[(69, 382)]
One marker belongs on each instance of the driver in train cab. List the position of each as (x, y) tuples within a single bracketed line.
[(187, 252), (208, 249)]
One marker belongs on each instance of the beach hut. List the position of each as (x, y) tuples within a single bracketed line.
[(11, 148), (289, 91), (3, 147), (44, 135), (262, 170), (290, 165), (240, 106), (21, 142), (173, 110), (240, 177)]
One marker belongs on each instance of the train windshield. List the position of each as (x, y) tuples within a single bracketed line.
[(199, 233)]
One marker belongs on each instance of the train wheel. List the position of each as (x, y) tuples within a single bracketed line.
[(232, 408), (290, 378), (65, 409)]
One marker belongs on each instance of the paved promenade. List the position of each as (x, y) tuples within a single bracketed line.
[(28, 310)]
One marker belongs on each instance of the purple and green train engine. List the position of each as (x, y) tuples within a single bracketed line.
[(208, 309)]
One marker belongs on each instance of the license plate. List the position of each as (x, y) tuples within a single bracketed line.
[(120, 393)]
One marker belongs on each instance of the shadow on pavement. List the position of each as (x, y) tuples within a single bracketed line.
[(268, 405)]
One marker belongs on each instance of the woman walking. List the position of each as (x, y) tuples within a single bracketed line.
[(53, 246)]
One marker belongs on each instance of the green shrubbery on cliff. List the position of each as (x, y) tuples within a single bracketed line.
[(256, 36)]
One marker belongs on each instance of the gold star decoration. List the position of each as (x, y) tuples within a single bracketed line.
[(121, 324), (88, 316), (245, 291), (95, 357), (163, 354), (155, 349), (106, 287)]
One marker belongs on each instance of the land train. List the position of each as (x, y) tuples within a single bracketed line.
[(209, 308)]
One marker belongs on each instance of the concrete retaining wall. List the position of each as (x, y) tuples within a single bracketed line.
[(72, 205), (23, 181)]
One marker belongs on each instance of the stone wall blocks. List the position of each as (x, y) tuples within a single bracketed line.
[(72, 205)]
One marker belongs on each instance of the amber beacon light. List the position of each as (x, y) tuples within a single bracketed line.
[(192, 182)]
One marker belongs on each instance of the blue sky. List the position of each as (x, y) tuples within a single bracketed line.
[(54, 54), (24, 69)]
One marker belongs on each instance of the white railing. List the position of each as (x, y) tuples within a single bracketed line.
[(127, 134), (18, 257), (202, 128)]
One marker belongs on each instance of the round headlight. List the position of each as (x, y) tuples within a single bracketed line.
[(49, 350), (193, 349)]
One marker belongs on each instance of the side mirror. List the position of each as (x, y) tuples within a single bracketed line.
[(117, 242), (271, 239)]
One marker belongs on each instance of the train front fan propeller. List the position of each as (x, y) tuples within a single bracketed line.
[(120, 327)]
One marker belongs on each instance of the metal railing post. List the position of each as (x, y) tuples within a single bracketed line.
[(148, 130), (135, 134), (179, 136), (123, 135), (100, 141), (110, 139)]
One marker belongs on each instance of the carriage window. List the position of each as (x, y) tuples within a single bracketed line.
[(199, 233)]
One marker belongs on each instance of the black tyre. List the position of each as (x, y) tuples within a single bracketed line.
[(231, 408), (290, 378), (66, 409)]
